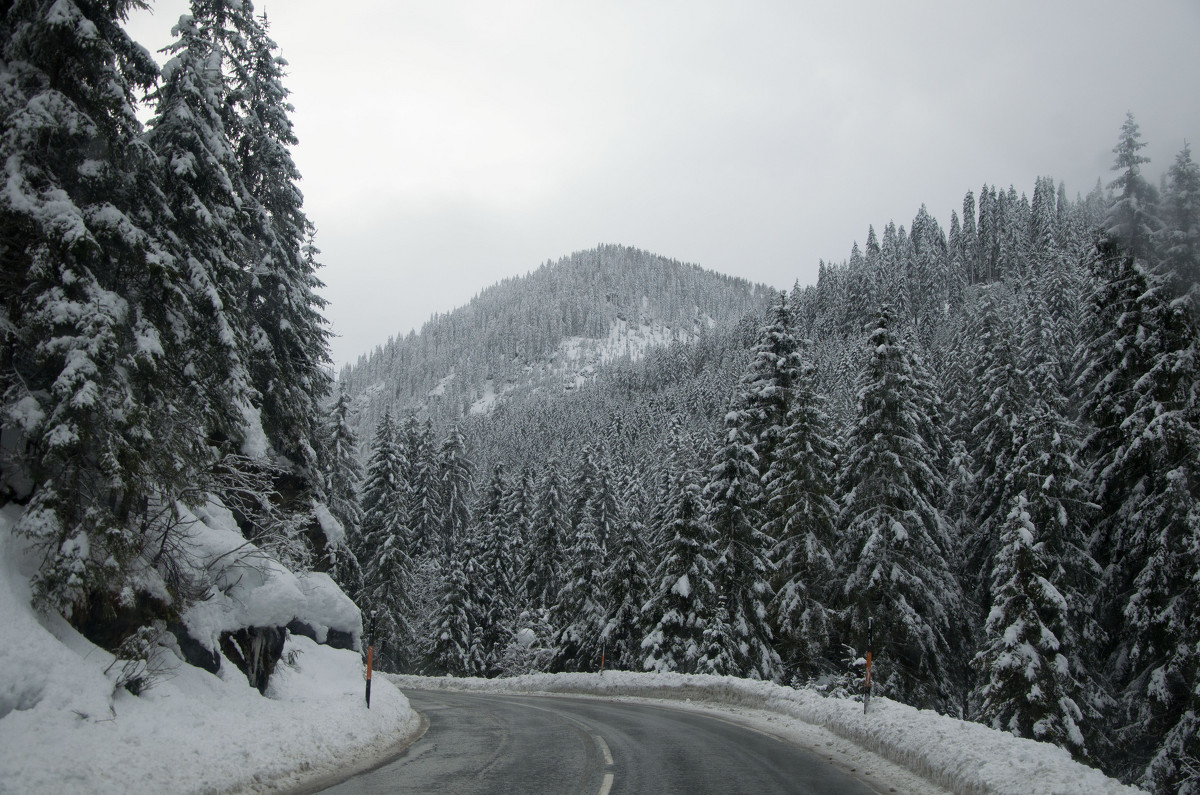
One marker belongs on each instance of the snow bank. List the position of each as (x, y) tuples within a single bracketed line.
[(66, 727), (254, 590), (962, 756)]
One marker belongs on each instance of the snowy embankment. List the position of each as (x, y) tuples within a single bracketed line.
[(961, 756), (67, 726)]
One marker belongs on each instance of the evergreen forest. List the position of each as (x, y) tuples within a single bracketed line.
[(982, 441)]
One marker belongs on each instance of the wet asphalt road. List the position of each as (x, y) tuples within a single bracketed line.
[(491, 743)]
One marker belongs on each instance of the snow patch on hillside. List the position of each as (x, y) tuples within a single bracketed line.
[(440, 389), (959, 755), (579, 358), (487, 400), (66, 726)]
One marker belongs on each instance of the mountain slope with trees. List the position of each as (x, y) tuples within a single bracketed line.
[(982, 440)]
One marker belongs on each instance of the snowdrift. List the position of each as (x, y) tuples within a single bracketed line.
[(961, 756), (66, 726)]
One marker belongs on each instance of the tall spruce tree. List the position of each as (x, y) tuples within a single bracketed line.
[(627, 588), (800, 493), (742, 573), (343, 475), (765, 389), (1029, 688), (897, 551), (290, 337), (453, 487), (99, 318), (455, 649), (385, 552), (548, 527), (684, 599), (580, 614), (1142, 402)]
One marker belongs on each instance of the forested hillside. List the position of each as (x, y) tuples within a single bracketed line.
[(555, 326), (983, 440)]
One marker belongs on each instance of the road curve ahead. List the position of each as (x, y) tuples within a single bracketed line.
[(483, 743)]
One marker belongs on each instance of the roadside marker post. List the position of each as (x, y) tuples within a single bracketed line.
[(370, 655), (867, 695)]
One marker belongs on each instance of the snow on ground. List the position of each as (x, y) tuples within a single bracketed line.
[(65, 726), (961, 756)]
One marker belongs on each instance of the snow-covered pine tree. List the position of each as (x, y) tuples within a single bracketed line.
[(605, 513), (1131, 218), (1028, 686), (516, 519), (201, 181), (733, 496), (97, 316), (1178, 240), (455, 650), (493, 579), (289, 351), (424, 484), (1141, 396), (627, 585), (928, 275), (896, 549), (765, 389), (343, 474), (800, 493), (683, 598), (580, 614), (995, 397), (582, 489), (385, 551), (1045, 471), (547, 538), (454, 481)]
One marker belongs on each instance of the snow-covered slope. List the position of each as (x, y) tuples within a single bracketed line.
[(66, 726), (962, 756), (578, 359)]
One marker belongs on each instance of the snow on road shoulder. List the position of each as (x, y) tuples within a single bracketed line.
[(961, 756), (66, 727)]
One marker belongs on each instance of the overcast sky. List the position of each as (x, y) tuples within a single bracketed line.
[(446, 145)]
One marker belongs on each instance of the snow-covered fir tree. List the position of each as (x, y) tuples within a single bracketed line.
[(1029, 688), (683, 599), (733, 496), (765, 390), (385, 550), (454, 484), (91, 366), (580, 613), (800, 488), (627, 585), (455, 650), (343, 476), (289, 336), (896, 549), (545, 563)]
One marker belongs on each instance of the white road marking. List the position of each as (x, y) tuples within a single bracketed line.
[(607, 784), (608, 760)]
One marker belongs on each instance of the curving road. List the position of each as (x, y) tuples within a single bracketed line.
[(479, 743)]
